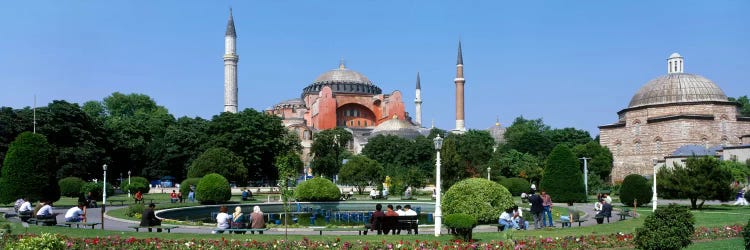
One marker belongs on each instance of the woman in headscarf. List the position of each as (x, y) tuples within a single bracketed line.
[(238, 219), (257, 218)]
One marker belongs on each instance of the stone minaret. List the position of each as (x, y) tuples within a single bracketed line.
[(418, 102), (230, 67), (460, 122)]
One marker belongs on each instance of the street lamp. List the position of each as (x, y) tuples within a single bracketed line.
[(586, 175), (438, 210), (488, 172), (104, 193), (128, 183), (338, 145), (653, 198)]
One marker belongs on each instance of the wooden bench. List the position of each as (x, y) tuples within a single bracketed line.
[(43, 222), (168, 228), (112, 202), (361, 230), (242, 230), (82, 224), (500, 227), (564, 224)]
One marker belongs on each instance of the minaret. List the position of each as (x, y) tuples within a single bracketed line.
[(460, 122), (418, 102), (674, 64), (230, 67)]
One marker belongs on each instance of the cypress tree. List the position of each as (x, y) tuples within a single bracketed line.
[(28, 170), (563, 178)]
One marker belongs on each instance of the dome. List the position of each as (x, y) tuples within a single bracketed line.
[(342, 75), (396, 127), (497, 132), (677, 88), (675, 55)]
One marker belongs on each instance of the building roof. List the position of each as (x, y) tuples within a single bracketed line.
[(497, 132), (695, 150), (342, 75), (230, 25), (677, 88), (396, 127)]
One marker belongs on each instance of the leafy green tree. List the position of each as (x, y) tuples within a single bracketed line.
[(71, 186), (600, 163), (528, 136), (28, 170), (317, 189), (213, 188), (475, 148), (173, 152), (290, 166), (635, 188), (451, 168), (484, 200), (221, 161), (562, 178), (740, 171), (516, 164), (137, 183), (328, 149), (360, 172), (403, 159), (570, 137), (701, 178), (744, 103)]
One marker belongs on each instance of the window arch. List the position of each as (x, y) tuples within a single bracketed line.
[(637, 146), (657, 145), (637, 127)]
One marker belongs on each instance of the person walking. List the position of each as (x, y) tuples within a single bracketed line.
[(537, 208), (741, 198), (547, 204)]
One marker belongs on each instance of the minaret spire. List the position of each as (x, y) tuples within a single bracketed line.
[(418, 102), (460, 122), (230, 66)]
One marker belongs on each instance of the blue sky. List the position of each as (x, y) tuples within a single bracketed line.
[(572, 63)]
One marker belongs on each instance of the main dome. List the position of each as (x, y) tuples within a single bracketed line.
[(343, 80), (342, 75), (677, 88)]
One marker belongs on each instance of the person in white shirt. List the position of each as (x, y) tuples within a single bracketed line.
[(506, 219), (222, 220), (399, 211), (46, 211), (25, 207), (75, 214), (373, 194), (408, 211), (607, 199)]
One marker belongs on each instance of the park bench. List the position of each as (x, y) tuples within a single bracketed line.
[(112, 202), (168, 228), (82, 224), (243, 230), (500, 227), (43, 222), (361, 230), (394, 224)]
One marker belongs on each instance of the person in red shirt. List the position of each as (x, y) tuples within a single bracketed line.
[(376, 220), (138, 197), (173, 195)]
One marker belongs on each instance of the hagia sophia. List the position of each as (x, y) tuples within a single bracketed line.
[(667, 113)]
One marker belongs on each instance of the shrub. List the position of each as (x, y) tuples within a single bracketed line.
[(668, 227), (317, 189), (221, 161), (134, 209), (213, 188), (746, 235), (43, 241), (137, 183), (563, 178), (96, 189), (635, 187), (515, 185), (28, 170), (484, 200), (461, 225), (185, 185), (71, 186)]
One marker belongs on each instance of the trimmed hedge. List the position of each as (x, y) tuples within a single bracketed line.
[(317, 189), (563, 177), (212, 189), (71, 186), (28, 170), (667, 228), (137, 183), (515, 185), (635, 186), (185, 185), (482, 199), (461, 225), (96, 189)]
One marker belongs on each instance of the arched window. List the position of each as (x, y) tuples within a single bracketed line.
[(657, 145), (637, 147)]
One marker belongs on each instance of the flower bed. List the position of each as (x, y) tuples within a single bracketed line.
[(618, 240)]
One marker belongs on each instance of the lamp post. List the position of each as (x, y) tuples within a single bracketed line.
[(653, 198), (488, 172), (104, 193), (438, 210), (128, 183), (337, 144), (586, 175)]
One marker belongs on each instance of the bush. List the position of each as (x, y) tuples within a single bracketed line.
[(635, 187), (667, 228), (28, 170), (212, 189), (134, 209), (185, 185), (746, 235), (71, 186), (317, 189), (137, 183), (515, 185), (96, 189), (563, 178), (221, 161), (482, 199), (460, 225), (43, 241)]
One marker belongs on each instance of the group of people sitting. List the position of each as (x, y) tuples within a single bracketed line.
[(43, 211), (377, 219), (512, 217), (247, 195), (238, 220), (604, 207)]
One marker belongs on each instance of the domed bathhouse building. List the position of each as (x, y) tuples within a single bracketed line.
[(668, 112)]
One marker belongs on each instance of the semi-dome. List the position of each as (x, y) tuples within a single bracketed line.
[(677, 87), (343, 80), (396, 127)]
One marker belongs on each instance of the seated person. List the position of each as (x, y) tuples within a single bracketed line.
[(433, 194), (606, 212), (18, 203), (407, 193), (257, 219), (25, 208), (223, 220), (506, 219), (598, 205), (45, 212), (238, 219), (75, 214), (245, 195), (139, 197), (518, 218), (377, 219), (373, 194), (569, 216), (91, 200), (149, 218), (173, 197)]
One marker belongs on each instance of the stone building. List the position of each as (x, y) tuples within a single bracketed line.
[(668, 112)]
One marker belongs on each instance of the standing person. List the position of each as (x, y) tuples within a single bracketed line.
[(537, 208), (191, 194), (741, 198), (173, 196), (547, 203), (376, 220), (148, 219), (223, 220), (179, 196), (257, 219), (75, 214)]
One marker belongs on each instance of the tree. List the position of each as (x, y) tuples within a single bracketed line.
[(744, 103), (570, 137), (213, 188), (221, 161), (475, 148), (701, 178), (528, 136), (562, 177), (173, 152), (451, 168), (409, 161), (668, 228), (28, 170), (740, 171), (478, 197), (516, 164), (289, 166), (328, 148), (600, 163), (635, 188), (360, 172)]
